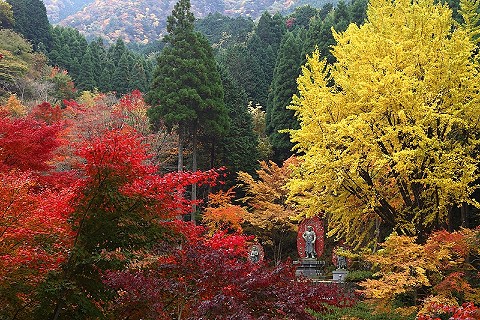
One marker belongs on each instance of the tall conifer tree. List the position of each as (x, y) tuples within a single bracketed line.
[(186, 91), (86, 77), (31, 21), (283, 87), (121, 77), (237, 149)]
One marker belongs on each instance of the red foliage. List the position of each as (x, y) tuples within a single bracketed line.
[(35, 205), (34, 233), (468, 311), (118, 153), (131, 102), (120, 157), (212, 279), (454, 243), (166, 192), (26, 144), (47, 113)]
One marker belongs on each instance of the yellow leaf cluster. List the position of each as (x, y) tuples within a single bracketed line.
[(14, 107), (388, 133), (403, 268)]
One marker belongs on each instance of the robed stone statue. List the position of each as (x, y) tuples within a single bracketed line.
[(310, 237)]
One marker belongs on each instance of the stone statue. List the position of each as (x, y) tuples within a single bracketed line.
[(254, 254), (310, 237), (341, 261)]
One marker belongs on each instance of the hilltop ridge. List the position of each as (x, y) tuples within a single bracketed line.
[(143, 21)]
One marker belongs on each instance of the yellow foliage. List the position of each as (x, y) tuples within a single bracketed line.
[(88, 98), (14, 106), (388, 133), (403, 268)]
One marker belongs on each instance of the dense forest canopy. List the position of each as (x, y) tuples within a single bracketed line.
[(144, 20)]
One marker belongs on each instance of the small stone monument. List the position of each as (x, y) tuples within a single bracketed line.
[(310, 242), (255, 253), (341, 262)]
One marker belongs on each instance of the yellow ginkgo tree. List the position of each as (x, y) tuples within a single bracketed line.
[(388, 134)]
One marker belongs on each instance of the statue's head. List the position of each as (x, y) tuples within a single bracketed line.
[(309, 228)]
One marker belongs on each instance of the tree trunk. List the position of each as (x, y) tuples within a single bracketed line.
[(181, 137), (194, 168), (464, 214)]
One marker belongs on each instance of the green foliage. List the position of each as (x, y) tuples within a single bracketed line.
[(302, 16), (16, 57), (138, 76), (86, 78), (122, 74), (469, 10), (362, 311), (186, 90), (222, 31), (237, 148), (283, 87), (31, 21), (99, 56), (68, 49), (262, 50), (358, 275), (320, 30), (92, 65), (6, 15)]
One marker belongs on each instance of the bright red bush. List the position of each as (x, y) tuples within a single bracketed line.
[(467, 311), (26, 144)]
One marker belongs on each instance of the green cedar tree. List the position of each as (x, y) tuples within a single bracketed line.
[(32, 22), (86, 77), (237, 149), (284, 86)]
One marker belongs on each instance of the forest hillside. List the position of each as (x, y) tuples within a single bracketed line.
[(145, 20)]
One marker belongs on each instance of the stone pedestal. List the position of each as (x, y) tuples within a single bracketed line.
[(339, 275), (309, 268)]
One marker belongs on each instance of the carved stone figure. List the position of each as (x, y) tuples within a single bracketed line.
[(310, 237), (254, 254), (341, 262)]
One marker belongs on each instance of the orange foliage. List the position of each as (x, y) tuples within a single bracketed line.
[(267, 196), (441, 267), (221, 214)]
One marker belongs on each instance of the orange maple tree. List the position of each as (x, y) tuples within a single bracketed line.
[(221, 214), (442, 270), (268, 210)]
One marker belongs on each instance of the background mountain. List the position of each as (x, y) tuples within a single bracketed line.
[(58, 10), (143, 21)]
